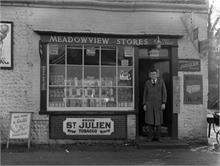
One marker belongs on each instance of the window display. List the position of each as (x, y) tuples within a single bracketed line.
[(90, 77)]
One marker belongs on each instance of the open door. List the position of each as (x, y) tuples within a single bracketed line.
[(164, 66)]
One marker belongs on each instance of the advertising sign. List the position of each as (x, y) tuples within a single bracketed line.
[(20, 126), (193, 93), (190, 65), (88, 126), (6, 45)]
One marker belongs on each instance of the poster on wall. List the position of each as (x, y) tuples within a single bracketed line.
[(6, 45), (193, 89)]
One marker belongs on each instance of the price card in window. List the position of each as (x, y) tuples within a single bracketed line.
[(129, 51), (53, 49)]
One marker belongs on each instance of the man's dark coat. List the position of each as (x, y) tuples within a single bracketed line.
[(154, 96)]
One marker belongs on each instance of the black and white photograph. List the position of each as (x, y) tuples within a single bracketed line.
[(110, 82)]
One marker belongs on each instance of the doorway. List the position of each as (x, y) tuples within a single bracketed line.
[(164, 66)]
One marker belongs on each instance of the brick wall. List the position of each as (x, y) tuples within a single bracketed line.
[(20, 87)]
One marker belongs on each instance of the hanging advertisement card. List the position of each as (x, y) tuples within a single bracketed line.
[(6, 45), (128, 51)]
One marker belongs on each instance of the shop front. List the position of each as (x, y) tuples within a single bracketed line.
[(92, 84), (80, 66)]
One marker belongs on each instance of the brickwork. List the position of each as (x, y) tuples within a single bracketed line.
[(20, 87), (131, 127)]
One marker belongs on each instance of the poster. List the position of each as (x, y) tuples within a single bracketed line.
[(193, 89), (20, 126), (6, 45), (88, 126)]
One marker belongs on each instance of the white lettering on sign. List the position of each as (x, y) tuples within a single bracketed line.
[(88, 126), (20, 124), (70, 39)]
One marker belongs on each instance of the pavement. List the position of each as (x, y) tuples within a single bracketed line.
[(125, 153), (108, 154)]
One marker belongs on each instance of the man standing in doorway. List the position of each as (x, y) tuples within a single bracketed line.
[(154, 100)]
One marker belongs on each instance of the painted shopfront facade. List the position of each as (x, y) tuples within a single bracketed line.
[(81, 68)]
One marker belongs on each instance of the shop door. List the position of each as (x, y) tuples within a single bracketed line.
[(165, 73)]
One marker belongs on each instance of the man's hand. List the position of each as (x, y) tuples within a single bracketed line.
[(163, 106), (145, 107)]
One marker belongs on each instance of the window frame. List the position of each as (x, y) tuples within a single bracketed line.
[(117, 86)]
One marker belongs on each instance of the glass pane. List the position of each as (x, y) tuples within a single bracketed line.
[(91, 76), (108, 56), (56, 54), (125, 56), (108, 76), (125, 76), (74, 55), (74, 75), (91, 55), (56, 97), (125, 97), (108, 97), (56, 74)]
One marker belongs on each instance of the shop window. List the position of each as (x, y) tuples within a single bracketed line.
[(85, 77)]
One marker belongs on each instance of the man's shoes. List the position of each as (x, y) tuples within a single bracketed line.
[(157, 139), (154, 139)]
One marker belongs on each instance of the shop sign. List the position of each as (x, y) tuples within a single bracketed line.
[(20, 125), (88, 126), (6, 45), (190, 65), (72, 39), (193, 93)]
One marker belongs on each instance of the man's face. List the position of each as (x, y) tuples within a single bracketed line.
[(153, 75)]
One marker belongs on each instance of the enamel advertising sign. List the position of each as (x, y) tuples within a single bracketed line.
[(88, 126)]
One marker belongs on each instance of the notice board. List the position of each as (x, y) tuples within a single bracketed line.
[(193, 89)]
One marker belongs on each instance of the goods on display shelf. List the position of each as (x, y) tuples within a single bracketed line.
[(108, 81), (74, 103), (56, 93), (56, 104), (125, 104), (74, 81), (125, 94), (91, 81), (56, 80)]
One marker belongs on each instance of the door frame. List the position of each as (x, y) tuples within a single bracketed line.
[(174, 72)]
